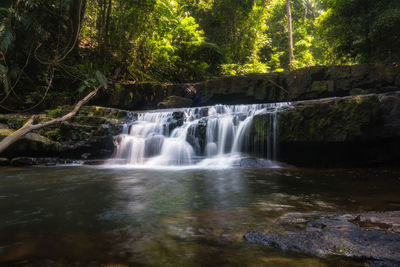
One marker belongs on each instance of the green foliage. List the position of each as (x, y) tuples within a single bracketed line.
[(150, 40), (237, 69), (364, 30), (35, 36), (236, 26), (308, 49), (179, 41)]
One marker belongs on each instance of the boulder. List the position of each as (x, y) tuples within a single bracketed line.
[(32, 144)]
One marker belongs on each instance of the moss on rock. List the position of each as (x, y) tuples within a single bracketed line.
[(90, 131), (331, 120), (175, 102)]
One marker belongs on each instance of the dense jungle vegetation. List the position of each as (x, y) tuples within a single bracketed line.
[(66, 47)]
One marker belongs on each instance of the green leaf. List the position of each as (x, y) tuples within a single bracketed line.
[(6, 39), (101, 78), (3, 69), (6, 84), (82, 88)]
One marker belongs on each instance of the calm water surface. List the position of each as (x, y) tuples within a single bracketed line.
[(97, 216)]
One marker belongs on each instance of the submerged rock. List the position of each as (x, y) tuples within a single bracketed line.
[(341, 235)]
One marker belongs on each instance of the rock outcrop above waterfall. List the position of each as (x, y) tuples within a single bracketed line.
[(175, 102), (307, 83), (87, 135), (361, 130)]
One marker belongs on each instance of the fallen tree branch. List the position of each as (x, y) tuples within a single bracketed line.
[(277, 85), (32, 124)]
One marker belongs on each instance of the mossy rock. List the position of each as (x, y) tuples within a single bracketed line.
[(331, 120), (175, 102), (92, 126), (32, 144)]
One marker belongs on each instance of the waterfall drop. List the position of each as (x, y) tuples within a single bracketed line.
[(205, 137)]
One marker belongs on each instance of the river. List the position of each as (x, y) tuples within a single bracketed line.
[(80, 215)]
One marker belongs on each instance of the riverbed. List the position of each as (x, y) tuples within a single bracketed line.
[(82, 215)]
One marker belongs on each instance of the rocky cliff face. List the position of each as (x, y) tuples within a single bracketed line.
[(361, 130), (302, 84)]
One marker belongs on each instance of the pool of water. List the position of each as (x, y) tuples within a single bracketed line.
[(108, 216)]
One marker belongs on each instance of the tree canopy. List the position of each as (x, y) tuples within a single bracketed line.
[(62, 46)]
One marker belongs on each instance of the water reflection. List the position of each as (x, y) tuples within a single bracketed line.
[(159, 217)]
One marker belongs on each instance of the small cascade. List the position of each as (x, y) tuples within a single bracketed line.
[(215, 136)]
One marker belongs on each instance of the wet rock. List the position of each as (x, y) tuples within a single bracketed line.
[(94, 162), (178, 115), (196, 136), (339, 235), (48, 161), (31, 144), (86, 155), (174, 122), (4, 161), (22, 161), (153, 145), (203, 112), (175, 102)]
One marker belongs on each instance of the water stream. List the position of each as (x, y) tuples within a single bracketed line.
[(96, 216), (209, 137), (171, 196)]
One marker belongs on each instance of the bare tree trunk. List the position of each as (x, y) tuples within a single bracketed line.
[(31, 125), (234, 31), (289, 15), (107, 33)]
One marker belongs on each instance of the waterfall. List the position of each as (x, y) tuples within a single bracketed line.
[(214, 136)]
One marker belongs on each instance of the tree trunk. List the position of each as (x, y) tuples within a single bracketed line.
[(31, 125), (289, 15), (234, 31), (107, 32), (78, 9)]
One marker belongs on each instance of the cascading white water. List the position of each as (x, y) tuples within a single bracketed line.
[(215, 136)]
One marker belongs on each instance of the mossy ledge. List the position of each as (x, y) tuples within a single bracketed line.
[(87, 135), (362, 130), (302, 84)]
